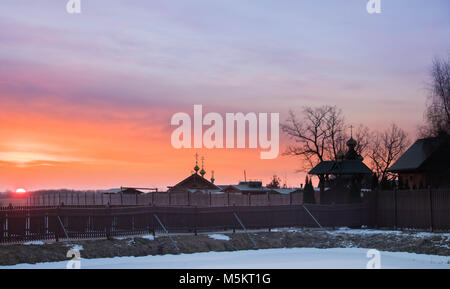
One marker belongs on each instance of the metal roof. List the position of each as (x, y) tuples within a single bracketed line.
[(345, 167), (418, 154)]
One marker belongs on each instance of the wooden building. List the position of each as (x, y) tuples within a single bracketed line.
[(196, 183), (426, 164), (340, 179)]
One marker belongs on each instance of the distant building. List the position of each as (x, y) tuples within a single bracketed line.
[(246, 187), (256, 188), (426, 164), (131, 191), (342, 176)]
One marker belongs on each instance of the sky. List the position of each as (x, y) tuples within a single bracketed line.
[(86, 99)]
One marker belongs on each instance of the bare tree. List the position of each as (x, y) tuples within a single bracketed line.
[(437, 114), (275, 183), (362, 136), (316, 134), (335, 129), (385, 148)]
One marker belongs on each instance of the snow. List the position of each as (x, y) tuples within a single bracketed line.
[(34, 243), (262, 259), (148, 237), (75, 247), (415, 234), (219, 237)]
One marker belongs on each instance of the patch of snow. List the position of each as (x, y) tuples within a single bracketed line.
[(219, 237), (122, 238), (34, 243), (75, 247), (413, 234), (148, 237), (293, 258)]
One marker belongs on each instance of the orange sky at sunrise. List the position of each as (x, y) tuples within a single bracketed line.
[(86, 100)]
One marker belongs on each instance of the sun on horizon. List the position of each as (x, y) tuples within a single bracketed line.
[(21, 191)]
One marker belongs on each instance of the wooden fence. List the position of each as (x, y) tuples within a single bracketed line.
[(426, 209), (37, 223), (417, 209), (163, 199)]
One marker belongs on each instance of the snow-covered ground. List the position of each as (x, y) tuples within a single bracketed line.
[(295, 258)]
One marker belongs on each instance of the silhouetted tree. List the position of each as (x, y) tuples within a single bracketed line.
[(308, 192), (275, 183), (316, 134), (385, 148), (437, 113)]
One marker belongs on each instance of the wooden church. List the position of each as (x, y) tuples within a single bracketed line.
[(196, 182), (340, 179)]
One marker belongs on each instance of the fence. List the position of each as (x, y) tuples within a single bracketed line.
[(35, 223), (417, 209), (426, 209), (162, 199)]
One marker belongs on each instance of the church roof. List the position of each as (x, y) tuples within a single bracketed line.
[(194, 181), (424, 154), (345, 167)]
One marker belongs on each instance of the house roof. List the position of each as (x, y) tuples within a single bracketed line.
[(285, 191), (345, 167), (423, 150), (247, 188)]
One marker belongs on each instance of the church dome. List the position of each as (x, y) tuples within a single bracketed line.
[(351, 142)]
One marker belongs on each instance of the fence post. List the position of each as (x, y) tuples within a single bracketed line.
[(375, 222), (395, 209), (431, 209), (108, 222), (56, 224), (196, 220)]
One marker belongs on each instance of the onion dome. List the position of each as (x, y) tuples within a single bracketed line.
[(351, 143)]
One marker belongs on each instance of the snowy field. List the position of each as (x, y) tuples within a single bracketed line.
[(295, 258)]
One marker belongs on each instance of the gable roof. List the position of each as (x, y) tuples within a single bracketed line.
[(416, 157), (194, 181), (345, 167), (286, 191)]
